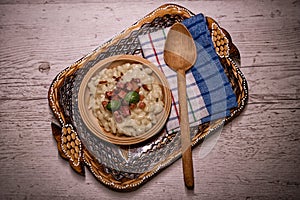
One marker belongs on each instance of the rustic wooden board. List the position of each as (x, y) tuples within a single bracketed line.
[(257, 155)]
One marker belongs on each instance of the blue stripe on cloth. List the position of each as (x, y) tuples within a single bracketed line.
[(216, 116), (199, 35), (192, 23), (171, 76), (208, 71), (227, 84), (219, 104), (209, 75)]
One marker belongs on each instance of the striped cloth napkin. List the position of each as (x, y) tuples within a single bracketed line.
[(209, 92)]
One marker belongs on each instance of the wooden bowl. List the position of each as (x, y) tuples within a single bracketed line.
[(92, 122)]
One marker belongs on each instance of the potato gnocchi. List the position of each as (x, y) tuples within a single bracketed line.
[(126, 99)]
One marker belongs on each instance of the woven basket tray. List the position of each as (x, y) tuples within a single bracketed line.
[(125, 168)]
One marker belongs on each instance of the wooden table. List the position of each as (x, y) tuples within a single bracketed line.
[(257, 156)]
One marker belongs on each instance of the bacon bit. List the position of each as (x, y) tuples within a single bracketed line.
[(132, 106), (122, 94), (142, 105), (137, 90), (117, 117), (109, 94), (117, 78), (142, 97), (125, 111), (145, 87), (104, 103), (102, 82), (137, 80)]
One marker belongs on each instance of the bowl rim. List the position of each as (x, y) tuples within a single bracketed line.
[(92, 124)]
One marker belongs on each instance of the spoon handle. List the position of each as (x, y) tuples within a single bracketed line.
[(187, 161)]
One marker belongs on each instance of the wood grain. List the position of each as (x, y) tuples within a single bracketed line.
[(257, 154), (180, 54)]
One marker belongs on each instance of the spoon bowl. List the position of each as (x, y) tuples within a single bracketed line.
[(180, 50)]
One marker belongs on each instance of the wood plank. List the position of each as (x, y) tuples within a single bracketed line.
[(94, 1), (243, 147)]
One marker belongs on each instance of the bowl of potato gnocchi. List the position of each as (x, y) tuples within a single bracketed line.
[(124, 99)]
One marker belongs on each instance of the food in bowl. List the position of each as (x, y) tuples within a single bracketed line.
[(126, 99)]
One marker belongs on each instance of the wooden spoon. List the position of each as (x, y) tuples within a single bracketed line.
[(180, 55)]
